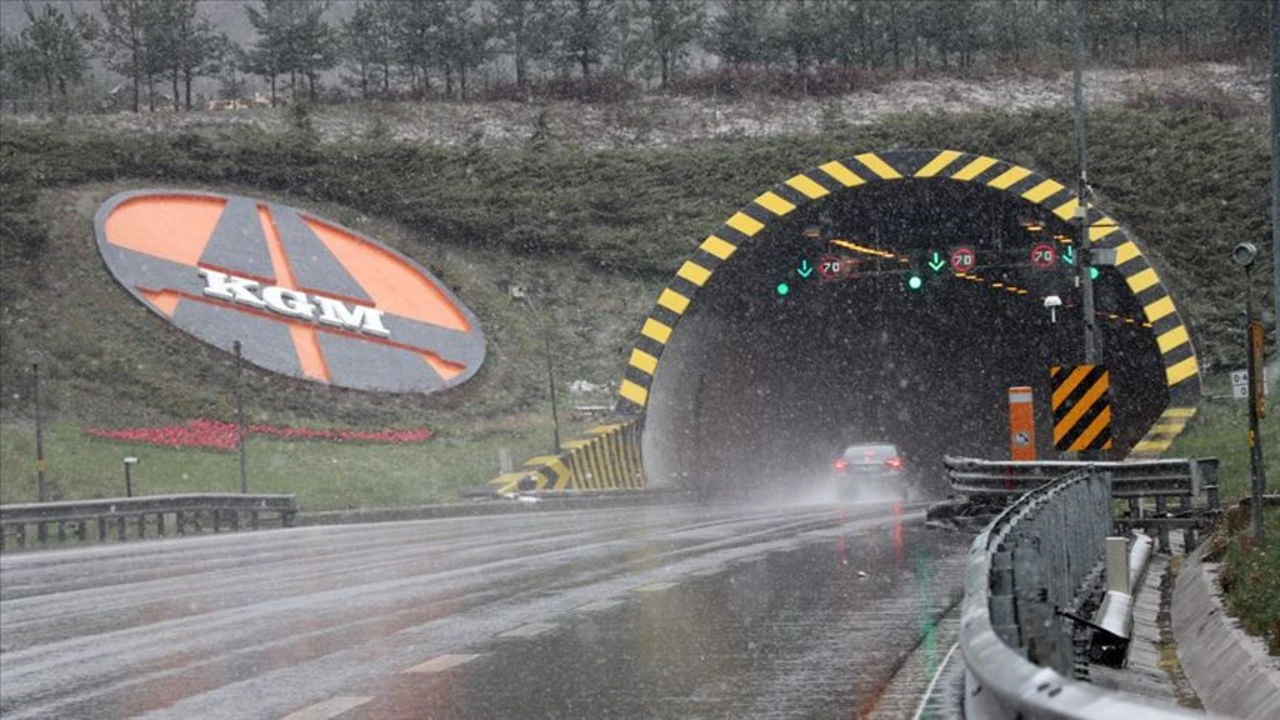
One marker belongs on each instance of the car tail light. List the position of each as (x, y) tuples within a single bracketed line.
[(894, 463), (840, 464)]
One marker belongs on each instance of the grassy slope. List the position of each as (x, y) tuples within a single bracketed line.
[(599, 231)]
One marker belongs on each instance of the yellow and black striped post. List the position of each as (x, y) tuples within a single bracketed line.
[(1081, 407)]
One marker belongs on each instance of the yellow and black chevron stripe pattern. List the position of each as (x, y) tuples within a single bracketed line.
[(1172, 337), (607, 457), (1081, 402)]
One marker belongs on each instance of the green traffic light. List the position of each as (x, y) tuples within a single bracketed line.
[(1093, 272), (783, 288), (915, 282)]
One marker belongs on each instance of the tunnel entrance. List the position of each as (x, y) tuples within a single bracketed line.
[(842, 320)]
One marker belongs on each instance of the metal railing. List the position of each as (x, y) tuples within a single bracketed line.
[(134, 518), (1130, 479), (1172, 484), (1030, 562)]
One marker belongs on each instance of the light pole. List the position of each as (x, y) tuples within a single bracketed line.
[(1084, 278), (1244, 255), (244, 469), (129, 462), (519, 294)]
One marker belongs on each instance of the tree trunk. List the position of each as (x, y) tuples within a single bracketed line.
[(586, 64), (666, 66), (177, 96), (186, 78), (273, 89), (522, 69)]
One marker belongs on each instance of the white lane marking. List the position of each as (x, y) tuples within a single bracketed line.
[(441, 663), (707, 572), (600, 605), (530, 630), (655, 587), (331, 708), (924, 700)]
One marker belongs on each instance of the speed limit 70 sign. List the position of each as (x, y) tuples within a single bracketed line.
[(1044, 255)]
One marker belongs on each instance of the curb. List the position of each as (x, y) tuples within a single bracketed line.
[(1229, 669), (486, 507)]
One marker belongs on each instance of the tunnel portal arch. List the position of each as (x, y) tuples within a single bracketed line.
[(742, 233)]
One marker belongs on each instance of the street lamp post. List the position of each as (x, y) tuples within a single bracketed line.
[(1244, 255), (518, 293)]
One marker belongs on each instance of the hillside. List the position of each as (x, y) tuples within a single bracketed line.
[(595, 230)]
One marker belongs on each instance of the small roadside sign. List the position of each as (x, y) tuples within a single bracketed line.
[(1240, 384)]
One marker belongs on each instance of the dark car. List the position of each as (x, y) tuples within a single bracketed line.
[(870, 471)]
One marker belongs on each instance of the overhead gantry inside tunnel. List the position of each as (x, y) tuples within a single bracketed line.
[(892, 296)]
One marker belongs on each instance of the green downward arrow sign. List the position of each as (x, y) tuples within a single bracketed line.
[(937, 263), (804, 270), (1069, 255)]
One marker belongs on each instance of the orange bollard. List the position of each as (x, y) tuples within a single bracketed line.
[(1022, 424)]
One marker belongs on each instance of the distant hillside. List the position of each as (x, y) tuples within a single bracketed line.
[(596, 231)]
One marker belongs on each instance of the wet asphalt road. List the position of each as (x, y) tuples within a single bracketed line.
[(640, 612)]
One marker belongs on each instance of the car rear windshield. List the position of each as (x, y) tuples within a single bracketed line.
[(870, 453)]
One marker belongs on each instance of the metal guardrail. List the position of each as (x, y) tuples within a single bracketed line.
[(1130, 479), (1027, 564), (1172, 484), (133, 517)]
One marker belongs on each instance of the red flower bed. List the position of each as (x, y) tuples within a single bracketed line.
[(211, 434)]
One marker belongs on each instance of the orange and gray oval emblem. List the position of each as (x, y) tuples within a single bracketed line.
[(304, 296)]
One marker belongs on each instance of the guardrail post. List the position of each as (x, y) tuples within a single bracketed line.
[(22, 534), (1188, 534), (235, 521), (1002, 605), (253, 519), (1162, 532), (120, 532), (160, 524), (217, 520), (62, 531), (142, 526), (287, 517), (82, 533), (102, 529)]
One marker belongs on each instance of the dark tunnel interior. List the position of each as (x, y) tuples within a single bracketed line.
[(758, 389)]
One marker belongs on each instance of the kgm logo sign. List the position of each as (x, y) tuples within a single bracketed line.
[(304, 296)]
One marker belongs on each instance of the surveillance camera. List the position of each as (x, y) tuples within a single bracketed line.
[(1244, 253), (1052, 301)]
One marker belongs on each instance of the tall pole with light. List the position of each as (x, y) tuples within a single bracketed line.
[(1275, 161), (519, 294), (244, 465), (1084, 276), (1244, 255)]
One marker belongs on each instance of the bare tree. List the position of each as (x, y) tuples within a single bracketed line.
[(671, 29)]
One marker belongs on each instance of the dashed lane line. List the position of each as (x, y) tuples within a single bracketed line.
[(331, 708), (440, 664), (655, 587), (531, 630), (599, 605)]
